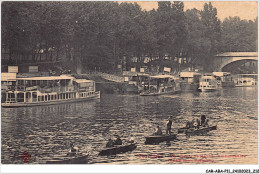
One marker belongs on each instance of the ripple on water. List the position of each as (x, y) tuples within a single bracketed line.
[(47, 131)]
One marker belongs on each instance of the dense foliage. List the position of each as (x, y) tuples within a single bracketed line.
[(105, 34)]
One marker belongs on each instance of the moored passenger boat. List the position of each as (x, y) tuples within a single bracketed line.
[(224, 79), (208, 83), (134, 81), (246, 80), (160, 84), (49, 90)]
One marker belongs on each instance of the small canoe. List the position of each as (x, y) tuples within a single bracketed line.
[(156, 139), (69, 160), (116, 149), (197, 131)]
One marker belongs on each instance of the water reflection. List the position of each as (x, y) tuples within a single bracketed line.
[(48, 130)]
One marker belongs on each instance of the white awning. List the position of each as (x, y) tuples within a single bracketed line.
[(47, 78), (83, 81)]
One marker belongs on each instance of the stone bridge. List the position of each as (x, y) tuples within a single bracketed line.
[(223, 59)]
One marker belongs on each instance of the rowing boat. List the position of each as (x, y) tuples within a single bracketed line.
[(79, 159), (196, 131), (156, 139), (116, 149)]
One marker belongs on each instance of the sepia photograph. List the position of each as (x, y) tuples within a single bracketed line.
[(122, 83)]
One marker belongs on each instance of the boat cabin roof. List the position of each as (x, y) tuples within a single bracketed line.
[(221, 74), (62, 77), (208, 77), (83, 81), (8, 77), (188, 74), (162, 76)]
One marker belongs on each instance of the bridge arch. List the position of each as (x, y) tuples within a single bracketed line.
[(224, 59)]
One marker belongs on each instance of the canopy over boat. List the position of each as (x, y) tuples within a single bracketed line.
[(163, 76)]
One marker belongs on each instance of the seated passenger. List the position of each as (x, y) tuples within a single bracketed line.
[(72, 148), (110, 143), (196, 123), (202, 119), (158, 131), (188, 124), (118, 140), (205, 123)]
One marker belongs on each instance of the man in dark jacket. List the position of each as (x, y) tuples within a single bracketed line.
[(169, 125), (118, 140)]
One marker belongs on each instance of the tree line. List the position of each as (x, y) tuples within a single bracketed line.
[(105, 34)]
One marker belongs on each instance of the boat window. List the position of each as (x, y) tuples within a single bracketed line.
[(33, 82), (34, 96), (20, 97)]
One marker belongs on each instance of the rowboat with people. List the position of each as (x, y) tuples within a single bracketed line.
[(200, 130), (197, 126), (116, 149), (74, 156), (156, 139), (196, 131), (78, 159)]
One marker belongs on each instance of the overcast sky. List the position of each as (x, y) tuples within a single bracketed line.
[(244, 9)]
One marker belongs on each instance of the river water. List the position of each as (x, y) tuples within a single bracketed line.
[(47, 131)]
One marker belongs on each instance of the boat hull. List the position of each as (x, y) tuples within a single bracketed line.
[(156, 94), (189, 86), (246, 85), (207, 89), (228, 84), (22, 104), (131, 89), (117, 149), (156, 139), (77, 160), (196, 131)]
